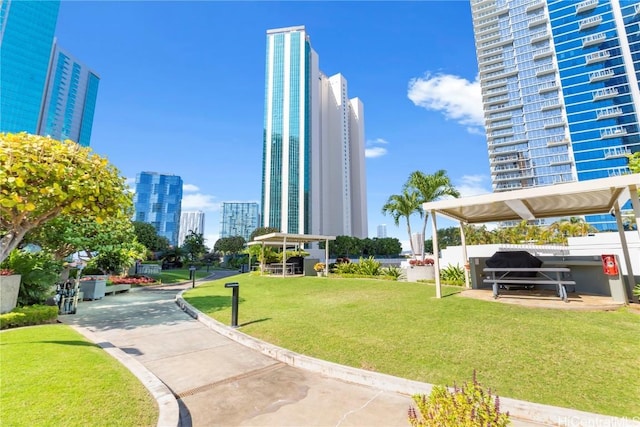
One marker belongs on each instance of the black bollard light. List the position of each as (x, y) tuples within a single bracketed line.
[(234, 302), (192, 272)]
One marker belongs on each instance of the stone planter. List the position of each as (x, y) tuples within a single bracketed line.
[(114, 289), (9, 289), (93, 289), (420, 272)]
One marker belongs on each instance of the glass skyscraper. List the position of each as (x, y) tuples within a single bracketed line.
[(314, 179), (190, 221), (43, 89), (560, 90), (70, 99), (26, 41), (239, 219), (158, 201)]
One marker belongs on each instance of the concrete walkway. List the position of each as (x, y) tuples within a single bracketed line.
[(204, 378)]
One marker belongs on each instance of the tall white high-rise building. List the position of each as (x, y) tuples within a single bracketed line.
[(382, 231), (313, 160), (560, 90), (190, 221)]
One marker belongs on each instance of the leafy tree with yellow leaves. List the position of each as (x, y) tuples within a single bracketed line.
[(42, 178)]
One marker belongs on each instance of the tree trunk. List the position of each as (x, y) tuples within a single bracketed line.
[(9, 242), (413, 251)]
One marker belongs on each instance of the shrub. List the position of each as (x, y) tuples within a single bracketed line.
[(453, 275), (32, 315), (39, 272), (636, 290), (319, 266), (393, 272), (346, 268), (368, 267), (470, 406), (420, 262), (6, 272), (130, 280)]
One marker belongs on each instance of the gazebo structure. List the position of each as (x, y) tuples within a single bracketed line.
[(285, 239), (597, 196)]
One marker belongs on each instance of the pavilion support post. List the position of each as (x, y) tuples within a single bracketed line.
[(262, 260), (625, 251), (326, 258), (465, 258), (633, 192), (284, 256), (436, 253)]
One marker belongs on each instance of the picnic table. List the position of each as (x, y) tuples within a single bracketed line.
[(534, 276)]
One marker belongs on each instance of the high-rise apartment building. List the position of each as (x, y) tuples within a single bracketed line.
[(382, 231), (239, 219), (190, 221), (313, 153), (26, 38), (560, 90), (158, 201), (70, 99), (43, 89)]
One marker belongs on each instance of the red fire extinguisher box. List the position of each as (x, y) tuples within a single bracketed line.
[(609, 265)]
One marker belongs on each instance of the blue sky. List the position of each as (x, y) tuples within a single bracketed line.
[(182, 90)]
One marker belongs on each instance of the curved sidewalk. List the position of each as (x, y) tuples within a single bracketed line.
[(218, 381)]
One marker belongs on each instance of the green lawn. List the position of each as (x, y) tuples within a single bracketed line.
[(181, 275), (51, 376), (583, 360)]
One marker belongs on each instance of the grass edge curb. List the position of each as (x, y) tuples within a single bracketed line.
[(530, 411), (168, 409)]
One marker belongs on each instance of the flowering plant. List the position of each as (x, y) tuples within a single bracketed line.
[(6, 272), (420, 262), (319, 266)]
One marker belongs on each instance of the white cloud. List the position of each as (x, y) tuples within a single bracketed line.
[(372, 150), (472, 185), (375, 152), (190, 188), (455, 97), (199, 202), (210, 240), (131, 184)]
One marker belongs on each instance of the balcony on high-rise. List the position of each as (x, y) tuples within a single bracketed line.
[(554, 123), (592, 21), (613, 132), (485, 30), (547, 87), (500, 90), (539, 19), (586, 5), (601, 75), (598, 56), (535, 6), (492, 84), (545, 69), (593, 39), (606, 93), (497, 99), (551, 105), (542, 53), (540, 36), (608, 112), (557, 141), (493, 59), (616, 152)]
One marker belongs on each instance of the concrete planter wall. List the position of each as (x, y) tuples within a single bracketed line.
[(420, 272), (9, 289), (93, 289)]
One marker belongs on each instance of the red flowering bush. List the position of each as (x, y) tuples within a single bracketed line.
[(131, 280), (6, 272), (420, 262)]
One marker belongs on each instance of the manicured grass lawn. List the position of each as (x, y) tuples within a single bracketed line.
[(51, 376), (180, 275), (583, 360)]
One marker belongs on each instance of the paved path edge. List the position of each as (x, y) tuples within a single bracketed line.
[(536, 412), (168, 409)]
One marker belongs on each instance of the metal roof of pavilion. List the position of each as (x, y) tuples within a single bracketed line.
[(570, 199), (280, 238)]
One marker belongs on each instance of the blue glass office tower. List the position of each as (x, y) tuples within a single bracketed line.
[(158, 201), (70, 99), (43, 89), (560, 89), (26, 40), (239, 219)]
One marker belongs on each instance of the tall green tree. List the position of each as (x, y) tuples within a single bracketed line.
[(41, 178), (229, 245), (430, 188), (147, 234), (260, 231), (403, 206), (194, 245)]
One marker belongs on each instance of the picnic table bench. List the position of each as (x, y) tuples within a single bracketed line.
[(540, 276)]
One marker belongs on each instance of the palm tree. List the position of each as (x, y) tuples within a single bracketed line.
[(403, 205), (430, 188)]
